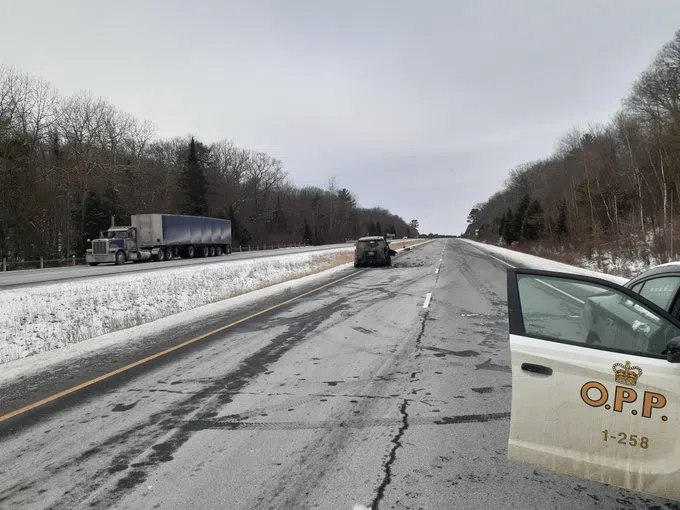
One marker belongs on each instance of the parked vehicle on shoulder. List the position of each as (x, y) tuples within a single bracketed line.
[(161, 237), (373, 251)]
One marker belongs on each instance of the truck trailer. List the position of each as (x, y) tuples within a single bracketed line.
[(161, 237)]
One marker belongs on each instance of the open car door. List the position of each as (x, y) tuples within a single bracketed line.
[(595, 381)]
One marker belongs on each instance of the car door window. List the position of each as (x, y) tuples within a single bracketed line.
[(661, 291), (573, 311)]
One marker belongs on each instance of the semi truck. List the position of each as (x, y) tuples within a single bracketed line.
[(161, 237)]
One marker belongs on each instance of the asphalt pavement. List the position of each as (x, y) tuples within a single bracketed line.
[(37, 276), (387, 389)]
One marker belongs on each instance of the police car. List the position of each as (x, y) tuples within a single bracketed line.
[(596, 376)]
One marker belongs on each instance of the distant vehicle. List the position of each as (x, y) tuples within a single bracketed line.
[(161, 237), (595, 370), (373, 251), (389, 236)]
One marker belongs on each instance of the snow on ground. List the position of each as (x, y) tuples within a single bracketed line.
[(47, 317), (610, 263), (34, 364), (532, 261)]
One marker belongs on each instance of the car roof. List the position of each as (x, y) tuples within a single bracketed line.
[(667, 268), (371, 238)]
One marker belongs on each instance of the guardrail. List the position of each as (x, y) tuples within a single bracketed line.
[(43, 263)]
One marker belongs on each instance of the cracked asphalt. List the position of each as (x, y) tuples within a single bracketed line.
[(365, 394)]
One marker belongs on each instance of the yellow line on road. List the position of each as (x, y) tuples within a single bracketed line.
[(103, 377)]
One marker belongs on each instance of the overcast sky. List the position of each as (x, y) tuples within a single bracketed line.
[(419, 107)]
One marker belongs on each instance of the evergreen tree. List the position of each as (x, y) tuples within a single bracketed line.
[(307, 233), (474, 214), (520, 217), (561, 226), (95, 217), (534, 221), (347, 198), (245, 237), (278, 217), (510, 235), (193, 184), (236, 234)]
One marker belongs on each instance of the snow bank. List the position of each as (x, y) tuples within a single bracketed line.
[(35, 364), (532, 261), (610, 262), (37, 319)]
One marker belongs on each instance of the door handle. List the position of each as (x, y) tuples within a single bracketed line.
[(536, 369)]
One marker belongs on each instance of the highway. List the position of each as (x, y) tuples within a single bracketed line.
[(37, 276), (383, 388)]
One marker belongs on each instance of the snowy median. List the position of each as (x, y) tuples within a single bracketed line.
[(47, 317)]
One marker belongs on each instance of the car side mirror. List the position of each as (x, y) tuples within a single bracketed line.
[(672, 351), (392, 253)]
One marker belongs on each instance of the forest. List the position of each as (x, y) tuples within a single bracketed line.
[(68, 164), (612, 187)]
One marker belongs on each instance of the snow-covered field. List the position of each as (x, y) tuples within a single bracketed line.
[(47, 317), (534, 262)]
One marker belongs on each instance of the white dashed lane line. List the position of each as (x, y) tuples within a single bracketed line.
[(561, 291), (542, 282), (428, 298)]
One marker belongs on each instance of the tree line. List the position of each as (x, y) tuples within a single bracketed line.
[(614, 186), (68, 164)]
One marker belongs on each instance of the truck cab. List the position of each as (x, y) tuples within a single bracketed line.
[(117, 244)]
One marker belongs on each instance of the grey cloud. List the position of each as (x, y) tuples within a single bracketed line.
[(422, 108)]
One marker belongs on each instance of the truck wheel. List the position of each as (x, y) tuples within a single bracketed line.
[(205, 252), (218, 251), (120, 257), (212, 251), (169, 255), (160, 256), (228, 249), (191, 252)]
